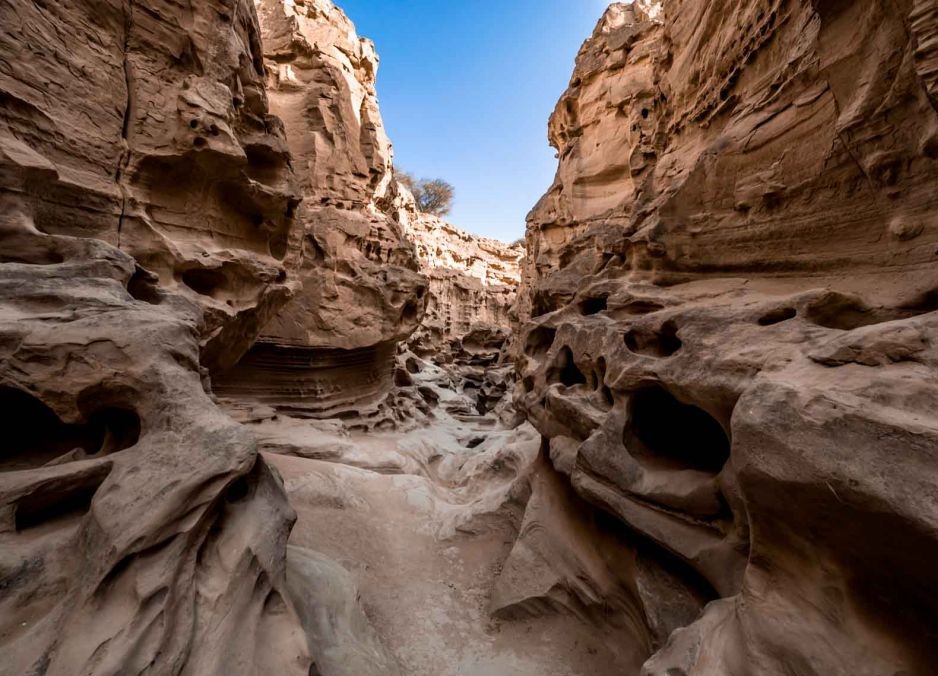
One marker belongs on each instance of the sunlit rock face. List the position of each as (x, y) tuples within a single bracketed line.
[(360, 290), (730, 305), (145, 204), (154, 124), (473, 281)]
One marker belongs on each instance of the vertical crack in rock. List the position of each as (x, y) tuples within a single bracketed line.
[(140, 531), (127, 117)]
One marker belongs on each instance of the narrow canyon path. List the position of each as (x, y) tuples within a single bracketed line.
[(422, 520)]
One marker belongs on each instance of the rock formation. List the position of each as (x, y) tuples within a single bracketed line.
[(145, 207), (151, 132), (473, 285), (731, 303), (331, 349), (473, 281), (725, 348)]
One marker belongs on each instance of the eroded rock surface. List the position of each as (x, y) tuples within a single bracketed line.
[(145, 202), (730, 304), (420, 522), (331, 349), (149, 128), (473, 282)]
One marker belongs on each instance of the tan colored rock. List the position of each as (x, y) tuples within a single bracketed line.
[(332, 347), (145, 202), (473, 280), (730, 317), (156, 129)]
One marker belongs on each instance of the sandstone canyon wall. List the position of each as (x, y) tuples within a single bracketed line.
[(473, 281), (731, 308), (332, 348), (146, 201)]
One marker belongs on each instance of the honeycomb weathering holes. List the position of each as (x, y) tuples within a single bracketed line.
[(665, 432)]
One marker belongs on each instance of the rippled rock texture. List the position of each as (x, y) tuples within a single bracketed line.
[(360, 291), (145, 204), (473, 281), (731, 304), (147, 127)]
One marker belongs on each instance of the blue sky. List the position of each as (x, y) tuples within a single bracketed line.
[(466, 87)]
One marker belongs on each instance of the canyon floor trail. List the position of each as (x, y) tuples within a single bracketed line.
[(422, 520)]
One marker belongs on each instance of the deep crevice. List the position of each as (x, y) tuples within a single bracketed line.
[(204, 281), (127, 120), (144, 286), (594, 305), (63, 504), (539, 341)]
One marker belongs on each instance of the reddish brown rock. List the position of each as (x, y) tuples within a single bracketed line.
[(730, 305)]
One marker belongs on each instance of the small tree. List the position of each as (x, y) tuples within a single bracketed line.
[(433, 195)]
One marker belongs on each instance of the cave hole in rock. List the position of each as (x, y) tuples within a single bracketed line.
[(403, 378), (636, 308), (565, 370), (666, 433), (428, 394), (606, 400), (144, 286), (594, 305), (204, 281), (409, 313), (34, 435), (278, 245), (539, 341), (238, 490), (650, 553), (59, 504), (546, 302), (778, 316), (663, 342), (925, 303), (838, 311)]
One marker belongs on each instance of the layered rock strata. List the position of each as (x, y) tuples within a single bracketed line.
[(145, 204), (731, 304), (473, 284), (360, 291), (473, 281)]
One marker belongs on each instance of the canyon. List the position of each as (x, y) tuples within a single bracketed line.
[(263, 416)]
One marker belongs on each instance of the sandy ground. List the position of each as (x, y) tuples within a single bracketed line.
[(422, 523)]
